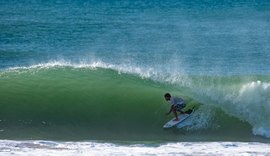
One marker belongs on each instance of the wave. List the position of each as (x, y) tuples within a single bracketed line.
[(124, 100)]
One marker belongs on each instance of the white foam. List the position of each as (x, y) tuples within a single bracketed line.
[(261, 131), (248, 102), (201, 118), (254, 101), (36, 148)]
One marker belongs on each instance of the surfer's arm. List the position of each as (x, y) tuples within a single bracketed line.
[(170, 110)]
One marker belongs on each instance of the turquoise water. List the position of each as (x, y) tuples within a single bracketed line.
[(75, 70), (198, 37)]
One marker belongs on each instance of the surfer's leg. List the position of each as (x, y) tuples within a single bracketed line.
[(180, 108), (175, 114)]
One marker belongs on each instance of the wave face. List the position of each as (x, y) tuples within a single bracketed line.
[(100, 101)]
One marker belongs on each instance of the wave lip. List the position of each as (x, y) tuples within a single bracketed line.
[(170, 75), (145, 73)]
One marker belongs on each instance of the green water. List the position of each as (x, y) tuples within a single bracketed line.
[(82, 103)]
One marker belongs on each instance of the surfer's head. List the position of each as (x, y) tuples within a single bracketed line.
[(167, 96)]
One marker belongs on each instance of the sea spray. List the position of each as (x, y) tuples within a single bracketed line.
[(241, 97)]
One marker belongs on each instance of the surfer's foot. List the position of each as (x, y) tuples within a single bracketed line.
[(188, 111), (176, 120)]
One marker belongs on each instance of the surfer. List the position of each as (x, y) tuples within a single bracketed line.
[(177, 104)]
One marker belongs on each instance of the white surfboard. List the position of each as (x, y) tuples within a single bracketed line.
[(182, 118)]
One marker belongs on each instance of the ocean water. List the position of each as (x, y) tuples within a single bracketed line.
[(90, 75)]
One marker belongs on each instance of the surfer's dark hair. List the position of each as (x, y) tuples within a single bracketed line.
[(167, 95)]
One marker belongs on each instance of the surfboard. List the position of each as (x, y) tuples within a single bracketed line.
[(182, 118)]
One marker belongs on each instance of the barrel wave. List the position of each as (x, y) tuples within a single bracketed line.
[(101, 101)]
